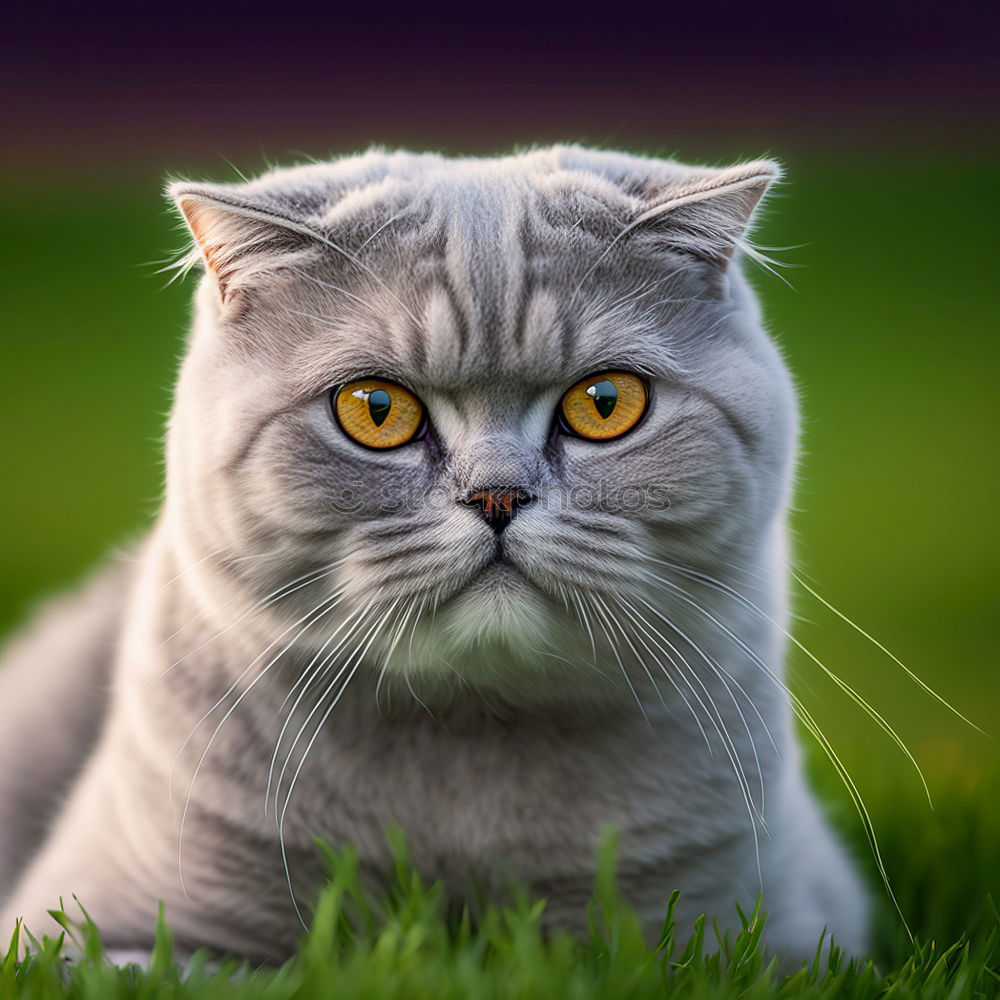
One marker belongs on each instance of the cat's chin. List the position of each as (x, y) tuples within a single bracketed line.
[(499, 629), (498, 607)]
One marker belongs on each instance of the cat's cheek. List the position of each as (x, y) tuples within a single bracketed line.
[(605, 475)]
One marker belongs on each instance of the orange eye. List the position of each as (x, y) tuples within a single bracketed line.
[(378, 414), (605, 405)]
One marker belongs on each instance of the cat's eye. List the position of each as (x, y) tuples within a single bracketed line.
[(605, 405), (378, 414)]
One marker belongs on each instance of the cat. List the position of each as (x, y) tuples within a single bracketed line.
[(474, 524)]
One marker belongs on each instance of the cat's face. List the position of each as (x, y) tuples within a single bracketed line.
[(379, 378)]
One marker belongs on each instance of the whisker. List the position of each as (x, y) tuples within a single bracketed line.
[(312, 671), (304, 677), (370, 634), (395, 642), (861, 702), (586, 623), (878, 645), (621, 666), (357, 659), (726, 677), (334, 598), (714, 716), (194, 565), (331, 602), (694, 673), (671, 680), (282, 592), (327, 666), (639, 659), (291, 788), (806, 718)]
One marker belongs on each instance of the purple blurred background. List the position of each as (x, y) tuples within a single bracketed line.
[(170, 85)]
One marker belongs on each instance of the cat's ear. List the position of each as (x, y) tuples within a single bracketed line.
[(709, 214), (236, 238)]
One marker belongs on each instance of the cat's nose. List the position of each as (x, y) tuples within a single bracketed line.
[(498, 506)]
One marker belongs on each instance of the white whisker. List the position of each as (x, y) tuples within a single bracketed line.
[(327, 666), (717, 720), (331, 603), (313, 670), (621, 665), (806, 718), (282, 592), (892, 656), (640, 621), (357, 658), (726, 678), (868, 709)]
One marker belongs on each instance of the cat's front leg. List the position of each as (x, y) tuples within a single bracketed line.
[(116, 851), (812, 887), (88, 863)]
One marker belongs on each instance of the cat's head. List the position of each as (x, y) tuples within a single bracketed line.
[(487, 394)]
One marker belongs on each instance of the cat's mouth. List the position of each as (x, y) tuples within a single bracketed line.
[(498, 582), (506, 579), (498, 572)]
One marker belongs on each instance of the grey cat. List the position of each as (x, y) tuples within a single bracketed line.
[(475, 525)]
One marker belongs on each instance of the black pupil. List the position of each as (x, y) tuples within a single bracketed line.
[(379, 404), (605, 396)]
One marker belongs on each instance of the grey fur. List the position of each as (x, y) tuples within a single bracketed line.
[(502, 713)]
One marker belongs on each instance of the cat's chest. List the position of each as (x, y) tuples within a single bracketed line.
[(534, 797)]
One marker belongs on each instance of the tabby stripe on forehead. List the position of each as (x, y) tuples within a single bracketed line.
[(462, 321), (417, 347), (490, 321), (567, 336), (527, 288), (502, 309)]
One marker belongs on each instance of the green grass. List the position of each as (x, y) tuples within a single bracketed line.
[(891, 331), (405, 945)]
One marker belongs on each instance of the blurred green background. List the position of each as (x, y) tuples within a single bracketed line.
[(890, 328)]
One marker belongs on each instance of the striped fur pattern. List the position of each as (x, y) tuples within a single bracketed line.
[(320, 640)]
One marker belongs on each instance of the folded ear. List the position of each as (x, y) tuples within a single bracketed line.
[(238, 238), (707, 214)]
